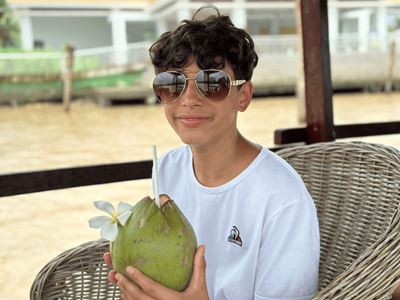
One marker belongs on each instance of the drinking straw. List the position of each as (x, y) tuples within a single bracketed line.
[(155, 177)]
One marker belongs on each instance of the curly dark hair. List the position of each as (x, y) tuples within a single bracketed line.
[(211, 41)]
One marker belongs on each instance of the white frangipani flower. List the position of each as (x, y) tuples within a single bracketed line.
[(109, 225)]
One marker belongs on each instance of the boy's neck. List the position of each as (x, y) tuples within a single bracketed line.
[(217, 164)]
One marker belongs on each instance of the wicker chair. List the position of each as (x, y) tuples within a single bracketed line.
[(356, 188)]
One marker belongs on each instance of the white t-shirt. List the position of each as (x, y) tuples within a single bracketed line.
[(260, 229)]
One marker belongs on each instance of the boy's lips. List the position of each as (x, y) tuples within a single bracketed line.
[(192, 120)]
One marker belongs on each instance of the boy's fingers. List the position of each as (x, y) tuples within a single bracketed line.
[(198, 280), (107, 259), (129, 288), (149, 286), (111, 277), (111, 274)]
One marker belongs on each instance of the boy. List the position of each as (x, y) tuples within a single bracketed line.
[(248, 207)]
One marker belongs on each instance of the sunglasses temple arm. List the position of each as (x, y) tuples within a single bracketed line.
[(237, 82)]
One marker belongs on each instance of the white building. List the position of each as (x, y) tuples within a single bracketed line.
[(99, 23), (119, 33)]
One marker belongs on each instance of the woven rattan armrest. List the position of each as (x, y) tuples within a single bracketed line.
[(77, 273), (374, 275)]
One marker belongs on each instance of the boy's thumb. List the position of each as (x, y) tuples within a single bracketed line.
[(199, 268)]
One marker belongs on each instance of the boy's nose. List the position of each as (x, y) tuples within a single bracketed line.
[(191, 96)]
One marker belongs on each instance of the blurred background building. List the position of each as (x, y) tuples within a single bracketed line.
[(98, 23), (120, 32)]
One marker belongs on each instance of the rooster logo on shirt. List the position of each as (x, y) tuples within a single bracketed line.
[(234, 236)]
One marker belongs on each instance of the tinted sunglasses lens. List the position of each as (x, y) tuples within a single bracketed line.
[(168, 86), (213, 84)]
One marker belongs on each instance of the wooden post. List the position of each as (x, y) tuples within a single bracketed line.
[(300, 89), (67, 77), (318, 86), (391, 65)]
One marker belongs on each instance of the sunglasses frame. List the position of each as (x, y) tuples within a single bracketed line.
[(231, 83)]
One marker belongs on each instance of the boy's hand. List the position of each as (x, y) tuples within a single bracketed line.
[(139, 286), (111, 274)]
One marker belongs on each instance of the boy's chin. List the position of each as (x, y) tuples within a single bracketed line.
[(193, 140)]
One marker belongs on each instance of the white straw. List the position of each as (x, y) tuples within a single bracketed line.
[(155, 177)]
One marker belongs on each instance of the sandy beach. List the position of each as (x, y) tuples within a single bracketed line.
[(36, 227)]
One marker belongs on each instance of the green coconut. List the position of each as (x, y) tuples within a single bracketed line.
[(160, 242)]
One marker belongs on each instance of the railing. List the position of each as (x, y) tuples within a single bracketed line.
[(345, 43), (31, 63), (48, 180), (137, 53), (133, 54), (37, 63)]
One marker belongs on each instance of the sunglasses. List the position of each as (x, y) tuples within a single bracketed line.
[(212, 84)]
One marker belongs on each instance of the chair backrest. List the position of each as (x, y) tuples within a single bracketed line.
[(78, 273), (356, 189)]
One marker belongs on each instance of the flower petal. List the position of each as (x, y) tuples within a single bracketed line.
[(99, 221), (104, 206), (109, 231), (123, 207), (122, 218)]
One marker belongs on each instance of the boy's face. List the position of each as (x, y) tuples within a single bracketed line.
[(199, 121)]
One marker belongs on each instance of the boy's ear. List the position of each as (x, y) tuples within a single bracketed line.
[(246, 94)]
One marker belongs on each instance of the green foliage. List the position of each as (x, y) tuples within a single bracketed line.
[(9, 28)]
